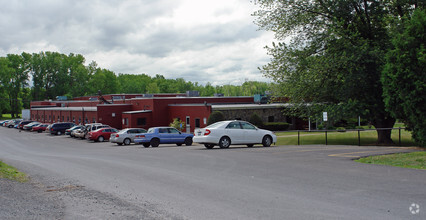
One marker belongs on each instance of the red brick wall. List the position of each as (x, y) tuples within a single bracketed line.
[(112, 114)]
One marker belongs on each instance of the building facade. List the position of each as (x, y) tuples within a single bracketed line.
[(145, 111)]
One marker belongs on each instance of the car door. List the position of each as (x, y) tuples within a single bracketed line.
[(234, 132), (165, 136), (175, 136), (251, 133)]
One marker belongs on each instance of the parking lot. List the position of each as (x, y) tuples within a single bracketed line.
[(192, 182)]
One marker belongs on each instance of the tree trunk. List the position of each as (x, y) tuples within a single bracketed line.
[(383, 134)]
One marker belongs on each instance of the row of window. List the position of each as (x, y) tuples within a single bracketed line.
[(61, 119)]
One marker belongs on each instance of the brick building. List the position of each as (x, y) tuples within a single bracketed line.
[(144, 111)]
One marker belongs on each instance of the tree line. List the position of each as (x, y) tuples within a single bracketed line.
[(42, 76)]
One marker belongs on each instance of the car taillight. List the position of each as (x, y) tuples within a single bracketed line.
[(207, 132), (140, 136), (117, 135)]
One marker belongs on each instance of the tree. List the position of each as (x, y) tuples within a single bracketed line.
[(105, 81), (5, 75), (214, 117), (178, 124), (330, 55), (404, 77), (16, 80)]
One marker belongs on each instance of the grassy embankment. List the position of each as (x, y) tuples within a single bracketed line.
[(415, 160), (12, 173)]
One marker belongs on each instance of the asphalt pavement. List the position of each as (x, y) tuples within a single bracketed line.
[(78, 179)]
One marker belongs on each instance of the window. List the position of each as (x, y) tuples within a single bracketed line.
[(141, 121), (247, 126), (234, 125), (173, 130), (163, 130)]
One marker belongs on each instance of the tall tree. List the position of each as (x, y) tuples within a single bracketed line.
[(404, 76), (16, 81), (331, 54), (5, 75)]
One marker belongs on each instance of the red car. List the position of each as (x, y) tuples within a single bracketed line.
[(40, 128), (102, 134)]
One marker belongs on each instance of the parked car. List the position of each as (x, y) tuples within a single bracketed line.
[(11, 123), (23, 123), (164, 135), (126, 136), (70, 130), (29, 126), (225, 133), (40, 128), (4, 123), (93, 127), (60, 127), (101, 134), (79, 133)]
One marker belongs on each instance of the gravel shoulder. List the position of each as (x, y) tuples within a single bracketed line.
[(34, 200)]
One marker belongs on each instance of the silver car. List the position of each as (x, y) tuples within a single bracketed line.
[(126, 136)]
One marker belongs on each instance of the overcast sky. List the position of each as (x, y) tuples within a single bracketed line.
[(201, 41)]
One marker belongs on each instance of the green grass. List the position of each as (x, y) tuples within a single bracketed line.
[(368, 137), (8, 116), (12, 173), (415, 160)]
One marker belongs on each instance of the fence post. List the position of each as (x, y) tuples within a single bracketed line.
[(359, 138), (298, 137), (326, 143), (399, 136)]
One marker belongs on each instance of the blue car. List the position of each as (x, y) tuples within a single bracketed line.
[(163, 135)]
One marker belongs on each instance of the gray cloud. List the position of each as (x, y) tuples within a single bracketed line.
[(147, 36)]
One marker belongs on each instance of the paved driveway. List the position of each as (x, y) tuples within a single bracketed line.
[(280, 182)]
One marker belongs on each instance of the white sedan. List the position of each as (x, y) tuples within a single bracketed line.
[(225, 133)]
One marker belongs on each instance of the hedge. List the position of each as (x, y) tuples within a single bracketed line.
[(276, 126)]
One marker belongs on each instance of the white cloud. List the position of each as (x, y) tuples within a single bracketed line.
[(200, 41)]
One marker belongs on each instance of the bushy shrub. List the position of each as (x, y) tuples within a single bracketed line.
[(276, 126), (178, 124), (256, 120), (341, 129), (215, 117)]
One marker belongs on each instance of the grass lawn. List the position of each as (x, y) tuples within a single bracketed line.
[(12, 173), (368, 137), (415, 160), (7, 116)]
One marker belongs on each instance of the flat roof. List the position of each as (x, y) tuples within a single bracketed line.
[(86, 109), (135, 112), (248, 106)]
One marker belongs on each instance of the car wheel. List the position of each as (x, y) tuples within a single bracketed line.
[(224, 142), (155, 142), (101, 139), (39, 131), (146, 144), (188, 141), (250, 145), (127, 141), (267, 141), (209, 146)]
